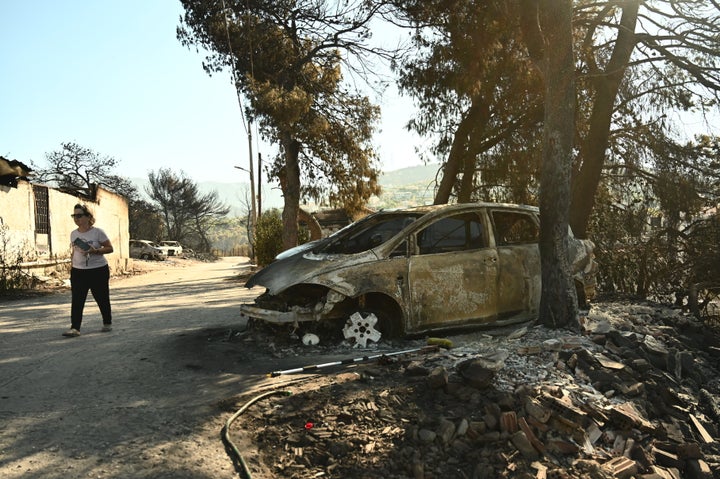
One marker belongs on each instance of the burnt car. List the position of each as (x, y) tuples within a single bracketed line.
[(415, 270)]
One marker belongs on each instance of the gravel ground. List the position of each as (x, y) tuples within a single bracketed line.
[(151, 399)]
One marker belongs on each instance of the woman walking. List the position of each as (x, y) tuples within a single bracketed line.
[(90, 270)]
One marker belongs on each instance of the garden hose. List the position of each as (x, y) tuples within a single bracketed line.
[(226, 430), (433, 344)]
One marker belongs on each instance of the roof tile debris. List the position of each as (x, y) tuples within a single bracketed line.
[(13, 170), (634, 395)]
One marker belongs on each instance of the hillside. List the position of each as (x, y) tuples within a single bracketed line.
[(409, 176), (403, 187)]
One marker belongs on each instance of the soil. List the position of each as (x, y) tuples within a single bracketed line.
[(183, 388), (143, 401)]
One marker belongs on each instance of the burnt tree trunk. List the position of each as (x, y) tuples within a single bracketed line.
[(290, 186), (461, 156), (550, 23), (594, 145), (467, 184)]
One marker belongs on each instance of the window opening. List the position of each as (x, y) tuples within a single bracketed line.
[(42, 216), (514, 228), (456, 233)]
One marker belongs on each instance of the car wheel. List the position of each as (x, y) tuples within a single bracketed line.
[(367, 323), (388, 325), (360, 327), (144, 256)]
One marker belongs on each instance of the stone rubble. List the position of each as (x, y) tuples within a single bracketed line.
[(634, 395)]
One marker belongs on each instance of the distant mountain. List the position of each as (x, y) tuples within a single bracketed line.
[(403, 187), (409, 176), (235, 195)]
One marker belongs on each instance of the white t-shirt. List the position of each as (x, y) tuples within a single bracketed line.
[(81, 260)]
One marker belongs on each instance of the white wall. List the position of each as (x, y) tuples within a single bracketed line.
[(17, 219)]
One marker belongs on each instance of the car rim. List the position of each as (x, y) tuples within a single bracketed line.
[(362, 329)]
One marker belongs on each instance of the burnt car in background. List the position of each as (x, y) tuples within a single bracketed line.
[(416, 270), (145, 249), (173, 248)]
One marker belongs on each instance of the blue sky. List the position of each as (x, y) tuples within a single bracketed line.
[(111, 76)]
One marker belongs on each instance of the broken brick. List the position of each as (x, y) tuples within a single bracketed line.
[(536, 410), (562, 447), (621, 467), (666, 459), (537, 444), (661, 473), (627, 416), (698, 469), (508, 422), (523, 444)]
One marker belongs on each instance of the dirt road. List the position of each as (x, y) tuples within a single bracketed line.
[(143, 401)]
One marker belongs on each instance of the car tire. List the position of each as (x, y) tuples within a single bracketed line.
[(144, 256), (388, 326)]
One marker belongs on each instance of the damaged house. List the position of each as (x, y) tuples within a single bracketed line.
[(35, 224)]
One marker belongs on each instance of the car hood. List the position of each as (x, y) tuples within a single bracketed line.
[(299, 249), (301, 266)]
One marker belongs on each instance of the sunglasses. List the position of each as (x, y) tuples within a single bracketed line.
[(79, 215)]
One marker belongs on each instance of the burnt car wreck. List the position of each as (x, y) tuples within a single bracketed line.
[(416, 270)]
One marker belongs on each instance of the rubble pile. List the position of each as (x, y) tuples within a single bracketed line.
[(634, 395)]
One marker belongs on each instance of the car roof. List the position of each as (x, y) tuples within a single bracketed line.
[(460, 207)]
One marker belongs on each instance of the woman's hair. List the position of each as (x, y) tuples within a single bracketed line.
[(88, 213)]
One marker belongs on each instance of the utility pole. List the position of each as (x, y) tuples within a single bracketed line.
[(253, 218), (253, 211), (259, 182)]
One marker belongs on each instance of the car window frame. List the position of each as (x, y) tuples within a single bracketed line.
[(339, 242), (471, 216), (504, 235)]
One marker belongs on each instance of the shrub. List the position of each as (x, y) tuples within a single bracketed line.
[(268, 237), (12, 277)]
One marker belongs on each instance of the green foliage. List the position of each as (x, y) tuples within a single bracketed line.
[(229, 234), (479, 98), (145, 221), (295, 90), (268, 237)]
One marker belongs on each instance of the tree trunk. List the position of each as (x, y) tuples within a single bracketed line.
[(459, 155), (290, 186), (467, 184), (312, 224), (558, 302), (592, 149)]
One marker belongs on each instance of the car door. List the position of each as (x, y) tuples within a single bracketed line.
[(516, 235), (452, 275)]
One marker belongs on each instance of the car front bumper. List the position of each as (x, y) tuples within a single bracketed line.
[(276, 317)]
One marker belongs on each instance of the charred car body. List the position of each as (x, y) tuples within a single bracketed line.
[(417, 270)]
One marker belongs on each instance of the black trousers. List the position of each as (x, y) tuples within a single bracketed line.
[(96, 280)]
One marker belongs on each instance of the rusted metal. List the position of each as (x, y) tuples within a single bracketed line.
[(426, 268)]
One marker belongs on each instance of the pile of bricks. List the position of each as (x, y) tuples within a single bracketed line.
[(634, 395)]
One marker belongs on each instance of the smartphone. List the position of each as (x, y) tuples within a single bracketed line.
[(82, 244)]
